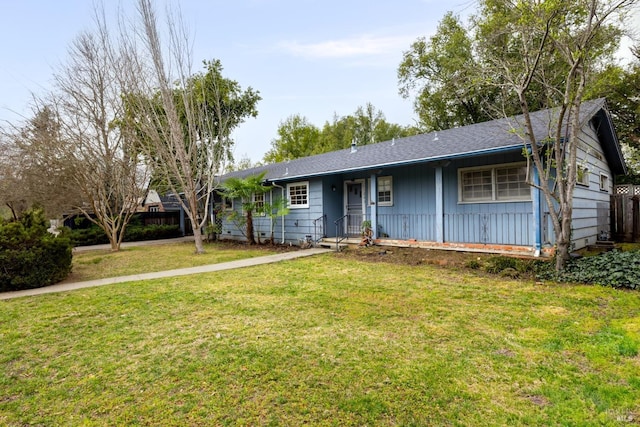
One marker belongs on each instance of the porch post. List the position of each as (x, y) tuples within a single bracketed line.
[(439, 206), (373, 206), (537, 223), (182, 221)]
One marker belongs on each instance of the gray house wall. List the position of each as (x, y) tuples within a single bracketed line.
[(591, 204)]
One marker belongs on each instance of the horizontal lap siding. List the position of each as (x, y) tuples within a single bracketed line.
[(590, 204)]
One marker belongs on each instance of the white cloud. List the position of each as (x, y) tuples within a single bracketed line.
[(365, 45)]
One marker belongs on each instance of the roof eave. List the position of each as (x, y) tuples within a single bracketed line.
[(398, 163)]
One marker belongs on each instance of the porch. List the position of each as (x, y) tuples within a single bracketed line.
[(486, 232)]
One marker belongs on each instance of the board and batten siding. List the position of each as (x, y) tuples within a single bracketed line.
[(591, 204), (261, 223), (502, 223), (299, 222), (412, 215)]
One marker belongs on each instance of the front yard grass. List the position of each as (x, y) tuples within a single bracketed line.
[(99, 264), (325, 340)]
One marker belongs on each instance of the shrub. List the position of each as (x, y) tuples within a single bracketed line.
[(496, 264), (616, 269), (30, 256), (133, 233), (473, 264)]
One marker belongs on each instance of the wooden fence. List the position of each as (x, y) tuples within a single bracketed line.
[(625, 213)]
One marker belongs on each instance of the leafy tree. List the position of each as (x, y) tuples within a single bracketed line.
[(519, 57), (549, 49), (186, 120), (621, 86), (444, 73), (30, 172), (243, 163), (299, 138), (296, 138), (245, 189)]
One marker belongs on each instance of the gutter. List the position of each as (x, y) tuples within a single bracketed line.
[(399, 163)]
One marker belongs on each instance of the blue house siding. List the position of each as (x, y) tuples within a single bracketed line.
[(590, 202), (332, 196), (412, 215), (298, 223), (427, 204), (501, 223)]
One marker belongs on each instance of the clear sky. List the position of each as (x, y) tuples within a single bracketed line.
[(315, 58)]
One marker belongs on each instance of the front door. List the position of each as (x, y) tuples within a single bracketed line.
[(354, 207)]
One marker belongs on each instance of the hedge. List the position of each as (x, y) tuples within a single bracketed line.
[(30, 256), (133, 233)]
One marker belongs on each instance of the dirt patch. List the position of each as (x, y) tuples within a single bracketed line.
[(267, 247), (412, 256)]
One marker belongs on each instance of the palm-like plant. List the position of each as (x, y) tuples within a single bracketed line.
[(245, 189)]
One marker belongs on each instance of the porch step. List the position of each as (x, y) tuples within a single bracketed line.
[(602, 246), (330, 242)]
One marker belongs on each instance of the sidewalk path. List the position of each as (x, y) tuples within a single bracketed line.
[(62, 287)]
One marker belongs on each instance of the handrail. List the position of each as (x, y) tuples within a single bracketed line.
[(323, 218), (340, 235)]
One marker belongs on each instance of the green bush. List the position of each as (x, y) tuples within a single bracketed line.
[(30, 256), (496, 264), (133, 233), (615, 268)]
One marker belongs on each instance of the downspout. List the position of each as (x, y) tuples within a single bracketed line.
[(281, 188), (271, 222), (439, 205), (373, 193), (537, 224)]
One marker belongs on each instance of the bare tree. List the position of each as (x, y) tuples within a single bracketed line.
[(90, 148), (30, 173), (185, 120), (552, 46)]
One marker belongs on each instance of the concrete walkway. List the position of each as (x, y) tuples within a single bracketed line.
[(62, 287)]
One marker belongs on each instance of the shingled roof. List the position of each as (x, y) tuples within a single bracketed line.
[(472, 140)]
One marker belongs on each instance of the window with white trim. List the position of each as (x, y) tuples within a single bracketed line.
[(582, 176), (493, 184), (385, 191), (258, 203), (298, 195), (604, 182), (227, 204)]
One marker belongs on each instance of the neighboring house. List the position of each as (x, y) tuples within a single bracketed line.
[(462, 188), (153, 202), (162, 210)]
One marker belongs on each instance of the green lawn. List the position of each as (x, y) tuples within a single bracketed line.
[(325, 340), (100, 264)]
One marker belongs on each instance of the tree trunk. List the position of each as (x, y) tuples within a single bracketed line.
[(197, 237), (250, 236), (562, 254), (113, 241), (563, 244)]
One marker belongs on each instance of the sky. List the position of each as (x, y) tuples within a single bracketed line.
[(315, 58)]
